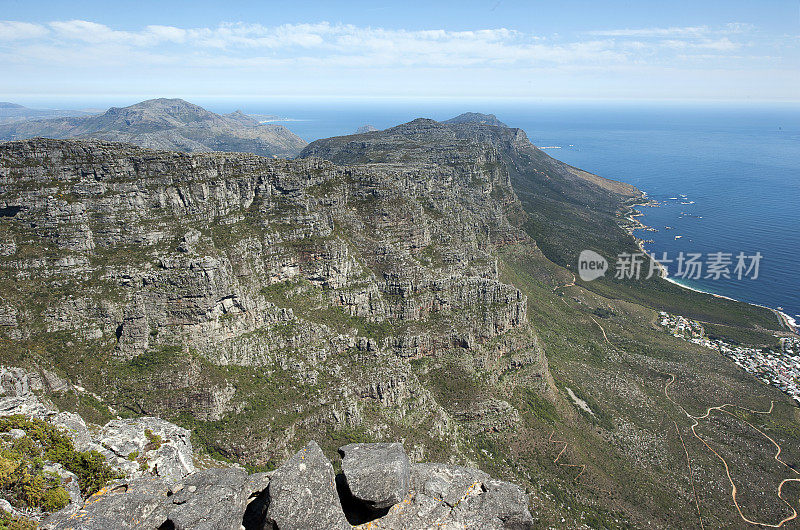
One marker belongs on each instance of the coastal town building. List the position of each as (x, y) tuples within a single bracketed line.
[(779, 368)]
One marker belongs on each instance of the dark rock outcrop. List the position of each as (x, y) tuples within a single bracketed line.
[(377, 475), (215, 499), (463, 496), (302, 494), (212, 499)]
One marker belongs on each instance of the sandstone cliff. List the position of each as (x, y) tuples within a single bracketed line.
[(387, 295), (566, 209), (261, 300)]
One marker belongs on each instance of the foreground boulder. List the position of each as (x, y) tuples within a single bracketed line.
[(121, 505), (378, 486), (377, 475), (447, 496), (141, 447), (302, 494), (148, 444), (145, 445), (212, 499), (216, 499)]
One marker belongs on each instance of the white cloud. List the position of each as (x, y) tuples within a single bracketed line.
[(167, 33), (244, 54), (86, 31), (13, 30), (722, 45), (739, 27), (258, 36), (349, 45), (687, 31), (92, 32), (326, 43)]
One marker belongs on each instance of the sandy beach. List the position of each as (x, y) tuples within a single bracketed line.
[(635, 224)]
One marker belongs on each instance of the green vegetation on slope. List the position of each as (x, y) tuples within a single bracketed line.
[(632, 443), (9, 522), (23, 477), (598, 443)]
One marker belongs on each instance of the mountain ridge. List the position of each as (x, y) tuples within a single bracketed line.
[(566, 209), (15, 113), (395, 285), (167, 124), (478, 118)]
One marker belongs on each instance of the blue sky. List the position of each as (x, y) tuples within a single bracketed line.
[(724, 50)]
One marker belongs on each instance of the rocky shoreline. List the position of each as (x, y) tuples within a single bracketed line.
[(632, 224)]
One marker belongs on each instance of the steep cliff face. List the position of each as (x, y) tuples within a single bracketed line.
[(226, 287), (566, 209), (265, 303), (426, 139)]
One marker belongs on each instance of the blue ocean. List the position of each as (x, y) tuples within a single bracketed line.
[(726, 177)]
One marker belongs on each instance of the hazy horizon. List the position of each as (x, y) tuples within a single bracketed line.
[(470, 104)]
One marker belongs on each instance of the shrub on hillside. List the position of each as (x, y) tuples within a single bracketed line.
[(22, 462)]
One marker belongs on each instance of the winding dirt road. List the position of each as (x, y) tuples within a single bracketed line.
[(691, 476), (601, 329), (695, 420), (582, 466), (734, 490), (569, 284)]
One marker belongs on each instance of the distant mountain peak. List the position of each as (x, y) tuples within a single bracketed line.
[(418, 122), (168, 123), (8, 105), (241, 117), (477, 117), (366, 128), (161, 102), (159, 110)]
